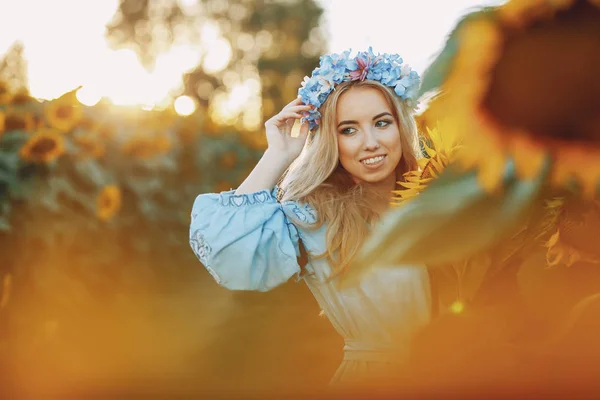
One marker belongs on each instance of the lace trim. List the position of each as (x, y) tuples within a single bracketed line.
[(305, 213), (203, 251), (229, 199)]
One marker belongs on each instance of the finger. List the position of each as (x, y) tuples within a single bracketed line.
[(284, 115), (298, 108), (297, 101)]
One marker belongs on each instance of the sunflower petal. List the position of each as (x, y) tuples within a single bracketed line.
[(529, 159), (491, 172)]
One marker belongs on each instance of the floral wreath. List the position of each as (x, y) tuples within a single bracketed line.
[(336, 68)]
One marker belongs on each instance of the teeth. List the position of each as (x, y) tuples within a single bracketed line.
[(373, 160)]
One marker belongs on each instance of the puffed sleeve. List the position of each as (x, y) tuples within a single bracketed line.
[(245, 241)]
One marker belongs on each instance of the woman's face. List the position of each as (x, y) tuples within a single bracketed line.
[(369, 143)]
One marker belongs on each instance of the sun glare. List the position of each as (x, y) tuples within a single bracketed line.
[(217, 56), (85, 59), (185, 105), (88, 96)]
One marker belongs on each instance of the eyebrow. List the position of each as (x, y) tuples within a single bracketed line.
[(356, 122)]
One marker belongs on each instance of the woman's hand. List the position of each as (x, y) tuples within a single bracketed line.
[(279, 130)]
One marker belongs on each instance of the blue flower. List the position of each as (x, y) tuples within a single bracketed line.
[(400, 89), (390, 75), (351, 65), (336, 68)]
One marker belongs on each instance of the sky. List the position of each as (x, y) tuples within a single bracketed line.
[(68, 49)]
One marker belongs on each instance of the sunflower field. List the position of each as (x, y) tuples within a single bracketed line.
[(98, 286)]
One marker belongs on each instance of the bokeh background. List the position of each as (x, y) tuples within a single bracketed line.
[(114, 115)]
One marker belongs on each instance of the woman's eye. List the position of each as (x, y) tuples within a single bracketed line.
[(382, 123), (347, 131)]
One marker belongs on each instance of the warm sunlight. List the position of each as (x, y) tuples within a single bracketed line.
[(80, 56), (217, 56), (84, 59), (185, 105), (88, 95)]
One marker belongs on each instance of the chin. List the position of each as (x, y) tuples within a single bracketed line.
[(375, 178)]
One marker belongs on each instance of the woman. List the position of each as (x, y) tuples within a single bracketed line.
[(356, 140)]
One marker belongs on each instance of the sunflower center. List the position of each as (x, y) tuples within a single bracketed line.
[(426, 174), (107, 202), (43, 146), (547, 78), (21, 98), (579, 224), (14, 122), (64, 112)]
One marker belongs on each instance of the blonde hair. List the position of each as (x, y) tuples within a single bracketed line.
[(317, 178)]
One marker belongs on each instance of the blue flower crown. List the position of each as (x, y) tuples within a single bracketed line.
[(335, 68)]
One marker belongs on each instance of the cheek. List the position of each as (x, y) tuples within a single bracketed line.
[(395, 144), (346, 151)]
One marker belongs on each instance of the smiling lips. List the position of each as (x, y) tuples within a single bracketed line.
[(373, 161)]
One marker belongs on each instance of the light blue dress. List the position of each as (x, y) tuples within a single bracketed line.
[(250, 242)]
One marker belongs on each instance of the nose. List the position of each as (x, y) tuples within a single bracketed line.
[(370, 141)]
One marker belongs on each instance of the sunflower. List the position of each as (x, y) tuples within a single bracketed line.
[(108, 202), (63, 114), (577, 222), (5, 95), (440, 150), (44, 146), (524, 85), (19, 121), (21, 97)]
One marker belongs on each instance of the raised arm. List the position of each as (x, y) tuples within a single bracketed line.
[(282, 149)]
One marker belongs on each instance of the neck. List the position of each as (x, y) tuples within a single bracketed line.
[(384, 190), (385, 187)]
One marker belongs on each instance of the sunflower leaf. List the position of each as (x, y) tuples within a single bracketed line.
[(21, 191), (89, 171), (4, 224), (7, 177), (453, 219), (9, 161), (13, 140)]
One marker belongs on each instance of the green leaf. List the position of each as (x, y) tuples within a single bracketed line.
[(61, 195), (13, 140), (4, 224), (7, 177), (9, 161), (453, 219), (22, 190), (91, 171)]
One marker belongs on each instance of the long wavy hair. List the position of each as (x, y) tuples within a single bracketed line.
[(316, 177)]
